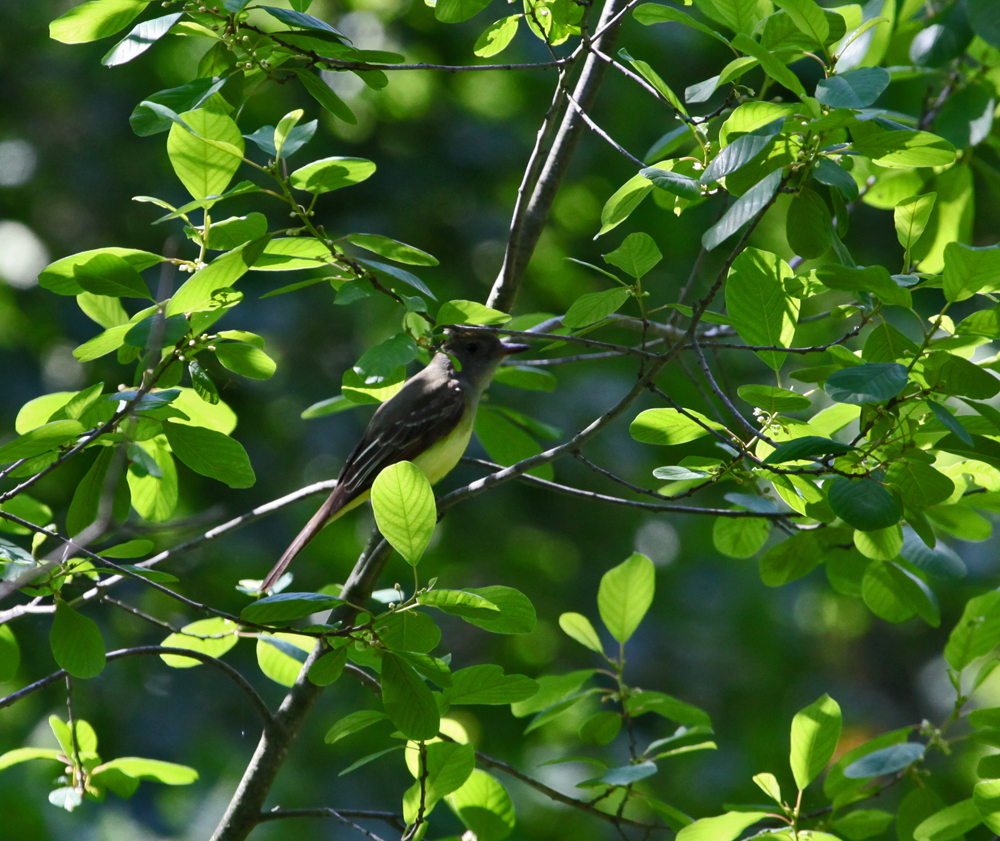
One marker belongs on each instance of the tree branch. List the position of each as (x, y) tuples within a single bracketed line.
[(527, 227), (141, 650)]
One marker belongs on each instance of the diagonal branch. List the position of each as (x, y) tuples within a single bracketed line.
[(141, 650), (530, 217)]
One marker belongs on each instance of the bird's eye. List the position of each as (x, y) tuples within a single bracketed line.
[(471, 347)]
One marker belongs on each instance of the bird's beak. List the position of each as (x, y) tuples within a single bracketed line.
[(510, 348)]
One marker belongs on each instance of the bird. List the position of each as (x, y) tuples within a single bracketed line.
[(428, 421)]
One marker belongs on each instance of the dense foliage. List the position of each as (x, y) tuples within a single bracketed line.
[(808, 378)]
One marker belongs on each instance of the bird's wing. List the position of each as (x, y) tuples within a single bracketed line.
[(399, 431), (430, 414)]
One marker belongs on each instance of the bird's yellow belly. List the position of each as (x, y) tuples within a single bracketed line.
[(438, 459)]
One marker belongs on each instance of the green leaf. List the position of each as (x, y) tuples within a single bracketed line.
[(405, 509), (675, 183), (741, 151), (904, 149), (280, 656), (811, 20), (487, 684), (484, 807), (201, 291), (145, 121), (393, 250), (284, 607), (872, 383), (911, 217), (527, 377), (970, 270), (770, 63), (636, 256), (324, 95), (595, 306), (601, 728), (805, 447), (77, 644), (941, 561), (625, 775), (977, 632), (469, 312), (109, 274), (408, 631), (579, 627), (874, 279), (739, 538), (886, 761), (667, 706), (459, 603), (746, 207), (808, 225), (507, 443), (245, 360), (60, 276), (863, 503), (211, 454), (213, 637), (986, 796), (725, 827), (768, 784), (165, 332), (985, 23), (919, 483), (815, 733), (667, 427), (40, 440), (140, 39), (763, 312), (773, 399), (328, 174), (856, 89), (650, 13), (456, 11), (552, 689), (791, 559), (951, 822), (94, 20), (304, 21), (625, 594), (517, 613), (863, 823), (206, 157), (448, 766), (10, 657), (623, 201), (408, 702), (834, 175), (353, 723), (496, 36), (886, 344), (881, 544), (83, 508), (328, 668), (155, 770), (18, 755)]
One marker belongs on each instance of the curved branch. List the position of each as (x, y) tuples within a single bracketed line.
[(121, 653)]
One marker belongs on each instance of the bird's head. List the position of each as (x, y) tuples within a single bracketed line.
[(477, 353)]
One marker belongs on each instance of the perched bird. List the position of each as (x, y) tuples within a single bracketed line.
[(428, 421)]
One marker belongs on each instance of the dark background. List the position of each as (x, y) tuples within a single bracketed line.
[(450, 151)]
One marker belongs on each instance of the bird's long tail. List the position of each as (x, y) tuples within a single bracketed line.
[(334, 505)]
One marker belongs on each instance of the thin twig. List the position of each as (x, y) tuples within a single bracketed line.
[(141, 650), (394, 819)]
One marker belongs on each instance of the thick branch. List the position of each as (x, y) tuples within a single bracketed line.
[(246, 807)]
